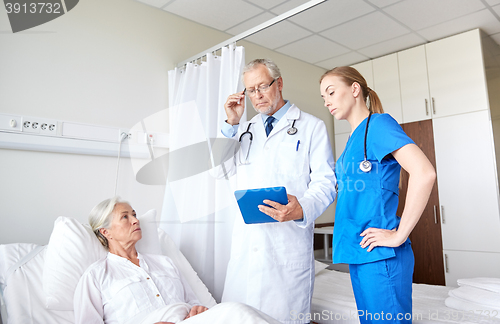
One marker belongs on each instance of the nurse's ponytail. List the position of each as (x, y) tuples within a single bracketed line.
[(351, 75)]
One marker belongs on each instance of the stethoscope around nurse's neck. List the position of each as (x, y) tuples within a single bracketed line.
[(290, 131), (366, 165)]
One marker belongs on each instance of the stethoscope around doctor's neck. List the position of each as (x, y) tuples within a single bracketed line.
[(291, 131)]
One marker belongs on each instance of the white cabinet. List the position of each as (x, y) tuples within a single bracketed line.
[(464, 264), (415, 98), (386, 85), (456, 71), (443, 78), (467, 182)]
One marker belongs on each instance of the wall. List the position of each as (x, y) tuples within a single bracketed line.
[(105, 62)]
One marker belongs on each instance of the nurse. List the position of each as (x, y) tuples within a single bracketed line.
[(367, 234), (272, 265)]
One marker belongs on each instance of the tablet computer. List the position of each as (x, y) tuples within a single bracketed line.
[(249, 200)]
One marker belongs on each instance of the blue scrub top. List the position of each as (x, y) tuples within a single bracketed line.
[(367, 199)]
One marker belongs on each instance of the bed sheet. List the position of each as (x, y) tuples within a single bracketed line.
[(333, 302)]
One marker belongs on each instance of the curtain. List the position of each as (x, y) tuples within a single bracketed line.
[(198, 209)]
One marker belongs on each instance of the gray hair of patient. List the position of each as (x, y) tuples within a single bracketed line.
[(273, 69), (101, 216)]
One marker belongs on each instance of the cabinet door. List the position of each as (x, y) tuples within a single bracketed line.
[(466, 174), (425, 238), (465, 264), (415, 99), (386, 84), (366, 70), (456, 74)]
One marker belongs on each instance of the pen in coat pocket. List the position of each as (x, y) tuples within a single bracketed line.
[(298, 143)]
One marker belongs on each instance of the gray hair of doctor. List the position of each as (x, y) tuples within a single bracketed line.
[(101, 216), (273, 69)]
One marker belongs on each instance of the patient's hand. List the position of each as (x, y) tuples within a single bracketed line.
[(195, 310)]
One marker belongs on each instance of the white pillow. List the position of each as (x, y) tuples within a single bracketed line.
[(72, 248)]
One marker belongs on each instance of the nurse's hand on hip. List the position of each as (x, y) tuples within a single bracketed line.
[(374, 237), (235, 106), (283, 213)]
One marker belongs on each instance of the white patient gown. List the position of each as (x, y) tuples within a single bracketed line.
[(118, 291)]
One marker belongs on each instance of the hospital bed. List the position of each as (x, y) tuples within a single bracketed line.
[(333, 302), (37, 282)]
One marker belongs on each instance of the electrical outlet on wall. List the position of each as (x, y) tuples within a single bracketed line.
[(128, 135), (30, 126), (42, 126), (49, 127)]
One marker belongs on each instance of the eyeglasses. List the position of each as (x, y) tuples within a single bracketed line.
[(261, 89)]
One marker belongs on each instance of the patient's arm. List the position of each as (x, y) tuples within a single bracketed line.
[(195, 310)]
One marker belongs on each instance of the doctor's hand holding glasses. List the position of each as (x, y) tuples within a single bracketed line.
[(235, 104)]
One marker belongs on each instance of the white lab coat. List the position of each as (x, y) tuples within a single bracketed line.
[(272, 265)]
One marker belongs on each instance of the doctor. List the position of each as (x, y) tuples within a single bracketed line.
[(272, 265)]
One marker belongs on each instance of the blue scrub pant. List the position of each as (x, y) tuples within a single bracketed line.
[(383, 288)]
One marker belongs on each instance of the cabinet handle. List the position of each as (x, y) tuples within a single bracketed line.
[(435, 215), (433, 106), (446, 263), (426, 107), (442, 215)]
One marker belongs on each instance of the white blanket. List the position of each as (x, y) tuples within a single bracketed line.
[(490, 284), (225, 313), (476, 295), (471, 307)]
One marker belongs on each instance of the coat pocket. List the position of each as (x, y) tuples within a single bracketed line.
[(290, 159)]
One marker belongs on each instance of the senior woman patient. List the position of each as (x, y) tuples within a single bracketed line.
[(130, 287), (127, 286)]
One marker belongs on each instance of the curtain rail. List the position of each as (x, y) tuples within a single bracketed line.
[(255, 29)]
